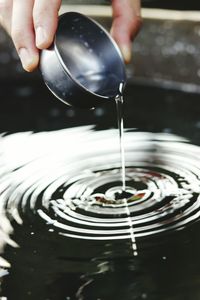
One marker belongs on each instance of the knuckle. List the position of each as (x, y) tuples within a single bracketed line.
[(39, 13), (39, 17), (136, 24), (17, 36), (37, 21), (136, 21), (139, 21)]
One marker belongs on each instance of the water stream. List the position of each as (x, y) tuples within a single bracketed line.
[(123, 194)]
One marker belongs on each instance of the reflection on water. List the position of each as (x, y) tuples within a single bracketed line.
[(64, 227)]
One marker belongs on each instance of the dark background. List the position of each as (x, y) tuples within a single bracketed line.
[(26, 103), (169, 4), (172, 4)]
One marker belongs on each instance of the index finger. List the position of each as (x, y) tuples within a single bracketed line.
[(45, 17)]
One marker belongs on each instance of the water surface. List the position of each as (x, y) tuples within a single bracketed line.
[(64, 228)]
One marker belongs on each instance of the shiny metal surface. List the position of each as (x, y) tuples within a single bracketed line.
[(83, 63)]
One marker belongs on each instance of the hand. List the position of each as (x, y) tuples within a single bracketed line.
[(126, 24), (32, 25)]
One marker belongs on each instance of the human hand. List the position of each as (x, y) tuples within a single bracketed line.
[(126, 24), (32, 25)]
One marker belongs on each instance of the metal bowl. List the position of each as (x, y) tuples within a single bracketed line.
[(84, 66)]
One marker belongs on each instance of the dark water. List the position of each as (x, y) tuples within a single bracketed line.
[(64, 236)]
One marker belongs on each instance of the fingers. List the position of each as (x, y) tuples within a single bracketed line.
[(32, 25), (126, 24), (45, 16), (22, 33)]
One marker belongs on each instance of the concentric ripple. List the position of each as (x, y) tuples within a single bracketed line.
[(72, 179)]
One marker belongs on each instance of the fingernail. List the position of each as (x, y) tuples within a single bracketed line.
[(127, 53), (26, 59), (40, 37)]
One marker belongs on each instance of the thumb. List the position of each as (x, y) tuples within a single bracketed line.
[(126, 24)]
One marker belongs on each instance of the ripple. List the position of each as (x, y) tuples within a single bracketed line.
[(71, 178)]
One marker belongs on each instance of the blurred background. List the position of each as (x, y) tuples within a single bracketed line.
[(163, 88)]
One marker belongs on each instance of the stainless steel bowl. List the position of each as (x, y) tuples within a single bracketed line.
[(84, 66)]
